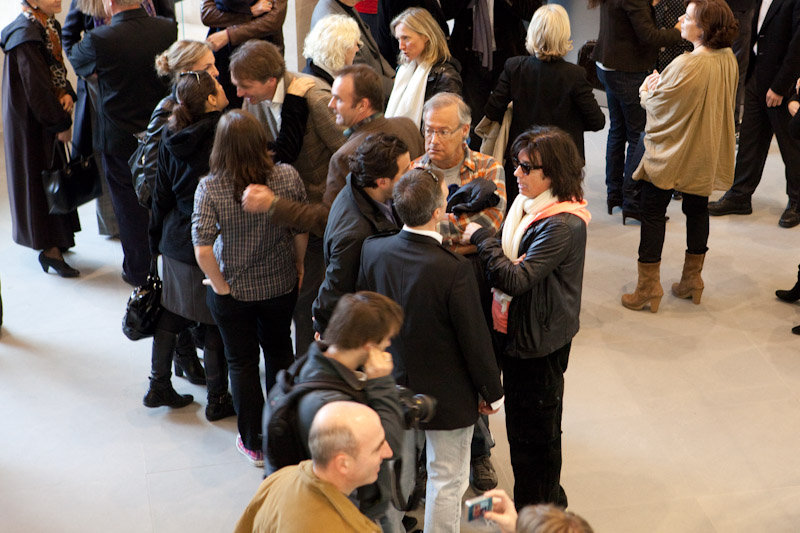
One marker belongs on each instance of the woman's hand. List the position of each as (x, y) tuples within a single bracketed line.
[(300, 86), (218, 40), (64, 136), (471, 228), (261, 7), (257, 198), (652, 80), (221, 289), (67, 103), (503, 512)]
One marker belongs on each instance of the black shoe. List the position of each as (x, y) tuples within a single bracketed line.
[(612, 204), (59, 265), (630, 214), (219, 407), (727, 206), (790, 217), (164, 395), (796, 330), (677, 195), (189, 366), (481, 474), (792, 295)]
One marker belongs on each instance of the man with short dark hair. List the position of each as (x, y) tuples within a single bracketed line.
[(363, 208), (352, 352), (348, 446), (444, 348), (121, 54), (261, 78)]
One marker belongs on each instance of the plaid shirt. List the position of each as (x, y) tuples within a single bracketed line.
[(475, 165), (255, 257)]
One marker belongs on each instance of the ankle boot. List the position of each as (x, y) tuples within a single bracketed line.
[(691, 284), (648, 288), (186, 360), (162, 394), (219, 407), (793, 294)]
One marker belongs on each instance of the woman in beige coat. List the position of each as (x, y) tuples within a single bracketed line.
[(689, 146)]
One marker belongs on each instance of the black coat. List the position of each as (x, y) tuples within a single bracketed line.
[(182, 162), (32, 116), (444, 77), (546, 287), (444, 348), (547, 93), (353, 217), (629, 39), (123, 54), (777, 64)]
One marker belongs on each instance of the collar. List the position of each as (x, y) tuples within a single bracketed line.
[(468, 164), (128, 14), (280, 94), (432, 234), (352, 129)]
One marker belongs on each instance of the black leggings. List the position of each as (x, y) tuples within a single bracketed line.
[(653, 210)]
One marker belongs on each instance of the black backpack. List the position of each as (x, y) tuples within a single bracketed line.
[(283, 444)]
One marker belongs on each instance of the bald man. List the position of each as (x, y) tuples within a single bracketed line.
[(347, 445)]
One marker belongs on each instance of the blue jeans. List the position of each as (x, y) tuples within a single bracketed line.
[(448, 454), (627, 120)]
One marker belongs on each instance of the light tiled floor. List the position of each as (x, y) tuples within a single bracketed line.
[(682, 421)]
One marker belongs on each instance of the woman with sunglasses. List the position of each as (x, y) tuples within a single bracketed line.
[(535, 266)]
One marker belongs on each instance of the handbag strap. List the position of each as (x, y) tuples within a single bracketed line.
[(63, 155)]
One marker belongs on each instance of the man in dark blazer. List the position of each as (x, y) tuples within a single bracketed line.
[(122, 55), (443, 348), (772, 72)]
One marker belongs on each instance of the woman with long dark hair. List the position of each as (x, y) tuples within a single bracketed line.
[(253, 267)]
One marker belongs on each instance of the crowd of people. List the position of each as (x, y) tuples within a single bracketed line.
[(355, 202)]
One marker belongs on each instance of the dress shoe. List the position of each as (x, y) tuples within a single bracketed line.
[(796, 330), (59, 265), (728, 206), (790, 218), (791, 295)]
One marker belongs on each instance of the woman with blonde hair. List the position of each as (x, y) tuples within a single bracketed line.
[(330, 45), (426, 65), (545, 89)]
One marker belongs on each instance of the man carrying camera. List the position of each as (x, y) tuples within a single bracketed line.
[(353, 353)]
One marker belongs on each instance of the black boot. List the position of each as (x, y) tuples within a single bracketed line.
[(793, 294), (186, 360), (161, 392), (219, 407)]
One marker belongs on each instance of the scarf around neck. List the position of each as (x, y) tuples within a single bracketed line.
[(52, 43)]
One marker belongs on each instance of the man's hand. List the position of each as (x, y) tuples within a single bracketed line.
[(261, 7), (218, 40), (485, 409), (300, 86), (67, 103), (257, 198), (301, 271), (64, 136), (503, 512), (221, 290), (471, 228), (379, 363), (773, 98)]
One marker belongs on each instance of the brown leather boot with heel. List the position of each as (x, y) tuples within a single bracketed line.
[(648, 288), (691, 284)]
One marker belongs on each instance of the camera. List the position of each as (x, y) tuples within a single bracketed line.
[(416, 407)]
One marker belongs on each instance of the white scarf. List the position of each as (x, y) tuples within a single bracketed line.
[(408, 93)]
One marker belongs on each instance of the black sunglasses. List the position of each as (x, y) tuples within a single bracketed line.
[(526, 167)]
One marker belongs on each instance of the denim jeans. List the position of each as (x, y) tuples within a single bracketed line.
[(627, 120), (448, 454), (244, 326)]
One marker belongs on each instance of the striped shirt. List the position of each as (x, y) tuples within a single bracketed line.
[(474, 165), (255, 257)]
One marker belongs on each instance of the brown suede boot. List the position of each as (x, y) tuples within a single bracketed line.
[(691, 284), (648, 288)]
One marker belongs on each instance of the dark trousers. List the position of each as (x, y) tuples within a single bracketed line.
[(244, 326), (758, 125), (627, 120), (534, 403), (741, 48), (653, 210), (314, 265), (131, 217)]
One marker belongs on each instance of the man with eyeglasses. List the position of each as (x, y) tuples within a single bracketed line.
[(447, 121)]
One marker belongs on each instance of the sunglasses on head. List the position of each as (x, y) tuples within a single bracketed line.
[(526, 167)]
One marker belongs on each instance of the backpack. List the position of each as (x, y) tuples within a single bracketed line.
[(283, 444)]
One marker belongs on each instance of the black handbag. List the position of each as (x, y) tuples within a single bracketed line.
[(143, 164), (585, 61), (144, 307), (70, 182)]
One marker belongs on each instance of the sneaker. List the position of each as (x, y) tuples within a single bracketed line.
[(482, 475), (256, 457)]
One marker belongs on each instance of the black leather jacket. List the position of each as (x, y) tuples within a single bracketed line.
[(444, 77), (546, 286)]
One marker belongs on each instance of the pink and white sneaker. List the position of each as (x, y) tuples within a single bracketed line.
[(256, 457)]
